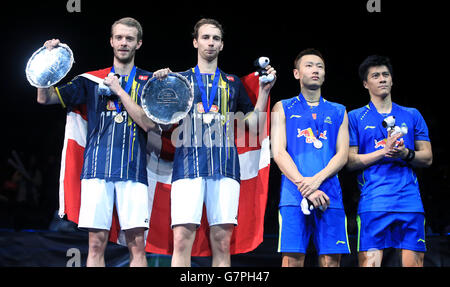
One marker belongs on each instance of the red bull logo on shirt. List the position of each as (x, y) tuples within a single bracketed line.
[(382, 143), (309, 135)]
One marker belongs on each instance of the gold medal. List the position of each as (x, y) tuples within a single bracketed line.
[(118, 118)]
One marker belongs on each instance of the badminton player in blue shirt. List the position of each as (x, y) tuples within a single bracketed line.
[(390, 211), (309, 140)]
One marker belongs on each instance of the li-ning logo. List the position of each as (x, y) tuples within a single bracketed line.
[(421, 240), (73, 6)]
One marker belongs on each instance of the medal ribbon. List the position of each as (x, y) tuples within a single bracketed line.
[(318, 122), (127, 86), (127, 89), (202, 88)]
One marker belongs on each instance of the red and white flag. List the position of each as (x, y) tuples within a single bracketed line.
[(254, 165)]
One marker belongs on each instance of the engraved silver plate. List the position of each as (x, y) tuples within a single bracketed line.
[(167, 101), (47, 67)]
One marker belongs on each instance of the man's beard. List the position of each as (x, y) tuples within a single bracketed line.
[(125, 60)]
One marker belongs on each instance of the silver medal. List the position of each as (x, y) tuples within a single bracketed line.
[(317, 144), (207, 118)]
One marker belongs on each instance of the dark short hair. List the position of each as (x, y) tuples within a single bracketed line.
[(130, 22), (309, 51), (205, 21), (373, 61)]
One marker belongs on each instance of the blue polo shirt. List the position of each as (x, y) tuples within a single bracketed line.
[(389, 184)]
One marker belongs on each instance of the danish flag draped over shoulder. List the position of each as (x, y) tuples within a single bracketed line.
[(254, 159)]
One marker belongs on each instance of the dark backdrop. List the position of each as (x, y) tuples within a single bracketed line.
[(411, 33)]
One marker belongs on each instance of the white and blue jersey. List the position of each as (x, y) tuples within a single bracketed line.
[(205, 148), (304, 125), (114, 151), (390, 184)]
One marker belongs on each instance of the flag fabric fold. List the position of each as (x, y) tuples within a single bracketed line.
[(254, 161)]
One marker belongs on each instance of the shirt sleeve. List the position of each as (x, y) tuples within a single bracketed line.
[(353, 129), (73, 93), (244, 104), (420, 127)]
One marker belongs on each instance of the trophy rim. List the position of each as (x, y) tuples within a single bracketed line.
[(27, 72), (180, 114)]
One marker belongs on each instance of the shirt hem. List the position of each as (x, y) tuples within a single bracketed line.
[(144, 181)]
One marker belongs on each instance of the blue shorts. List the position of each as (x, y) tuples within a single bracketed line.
[(328, 228), (380, 230)]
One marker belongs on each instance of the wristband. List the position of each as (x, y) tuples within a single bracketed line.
[(410, 156)]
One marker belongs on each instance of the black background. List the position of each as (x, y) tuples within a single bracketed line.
[(411, 33)]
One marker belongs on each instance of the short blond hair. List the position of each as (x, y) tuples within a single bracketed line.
[(130, 22)]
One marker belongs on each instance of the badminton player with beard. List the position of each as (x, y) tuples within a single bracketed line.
[(114, 166)]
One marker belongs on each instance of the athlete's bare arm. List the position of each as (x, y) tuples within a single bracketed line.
[(423, 151), (134, 110), (47, 96), (278, 144), (259, 113), (423, 154), (336, 163), (284, 160)]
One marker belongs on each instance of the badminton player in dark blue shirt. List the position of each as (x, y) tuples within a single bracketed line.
[(114, 166)]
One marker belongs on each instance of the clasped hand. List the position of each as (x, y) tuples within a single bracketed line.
[(394, 147), (308, 187)]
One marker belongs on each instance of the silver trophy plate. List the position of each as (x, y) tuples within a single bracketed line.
[(47, 67), (169, 100)]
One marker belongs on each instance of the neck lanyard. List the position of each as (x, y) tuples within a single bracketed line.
[(127, 86), (202, 88), (318, 122)]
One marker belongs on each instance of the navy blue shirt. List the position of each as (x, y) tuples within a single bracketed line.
[(114, 151), (207, 148)]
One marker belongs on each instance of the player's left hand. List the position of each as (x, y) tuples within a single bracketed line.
[(161, 74), (269, 85), (320, 200), (398, 151), (308, 185)]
